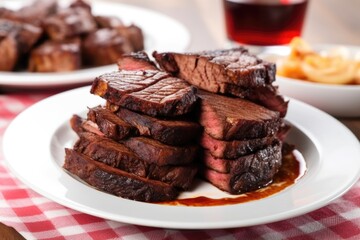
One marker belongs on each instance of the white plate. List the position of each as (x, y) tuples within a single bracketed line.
[(34, 146), (337, 100), (161, 33)]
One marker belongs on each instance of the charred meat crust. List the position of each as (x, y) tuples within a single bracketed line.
[(230, 72), (115, 181), (151, 92), (246, 173), (233, 149), (111, 125), (117, 155), (171, 132), (155, 152), (235, 66)]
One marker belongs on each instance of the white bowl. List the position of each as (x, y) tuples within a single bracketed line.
[(337, 100)]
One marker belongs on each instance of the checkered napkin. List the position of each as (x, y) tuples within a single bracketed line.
[(36, 217)]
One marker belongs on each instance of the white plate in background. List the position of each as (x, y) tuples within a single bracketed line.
[(161, 33), (337, 100), (330, 150)]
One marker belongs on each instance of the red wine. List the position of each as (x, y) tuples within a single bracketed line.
[(264, 22)]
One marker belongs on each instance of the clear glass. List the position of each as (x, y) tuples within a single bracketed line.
[(264, 22)]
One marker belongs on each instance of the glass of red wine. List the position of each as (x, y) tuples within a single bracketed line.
[(259, 23)]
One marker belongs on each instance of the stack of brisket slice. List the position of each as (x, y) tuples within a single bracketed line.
[(241, 113), (141, 144)]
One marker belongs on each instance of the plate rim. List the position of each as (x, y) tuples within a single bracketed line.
[(177, 224)]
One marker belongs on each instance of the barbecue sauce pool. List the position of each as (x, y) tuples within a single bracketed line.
[(292, 169)]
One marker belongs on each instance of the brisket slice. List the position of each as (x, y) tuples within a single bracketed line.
[(117, 155), (266, 96), (136, 61), (246, 173), (80, 125), (168, 97), (228, 118), (231, 72), (155, 152), (112, 86), (115, 181), (151, 92), (205, 69), (171, 132), (233, 149), (110, 124), (147, 149)]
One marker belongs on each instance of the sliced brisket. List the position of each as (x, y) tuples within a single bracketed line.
[(233, 149), (246, 173), (115, 181), (228, 118), (153, 151), (266, 96), (168, 97), (110, 124), (231, 72), (207, 69), (112, 86), (171, 132), (80, 125), (117, 155), (150, 92), (136, 61)]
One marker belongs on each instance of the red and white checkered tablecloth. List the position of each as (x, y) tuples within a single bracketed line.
[(37, 217)]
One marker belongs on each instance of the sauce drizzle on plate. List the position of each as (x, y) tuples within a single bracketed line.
[(292, 169)]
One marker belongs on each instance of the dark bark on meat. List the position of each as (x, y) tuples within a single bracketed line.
[(115, 181), (246, 173), (117, 155), (111, 125), (151, 92), (233, 149), (170, 132), (231, 72), (168, 97), (160, 154), (235, 66)]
